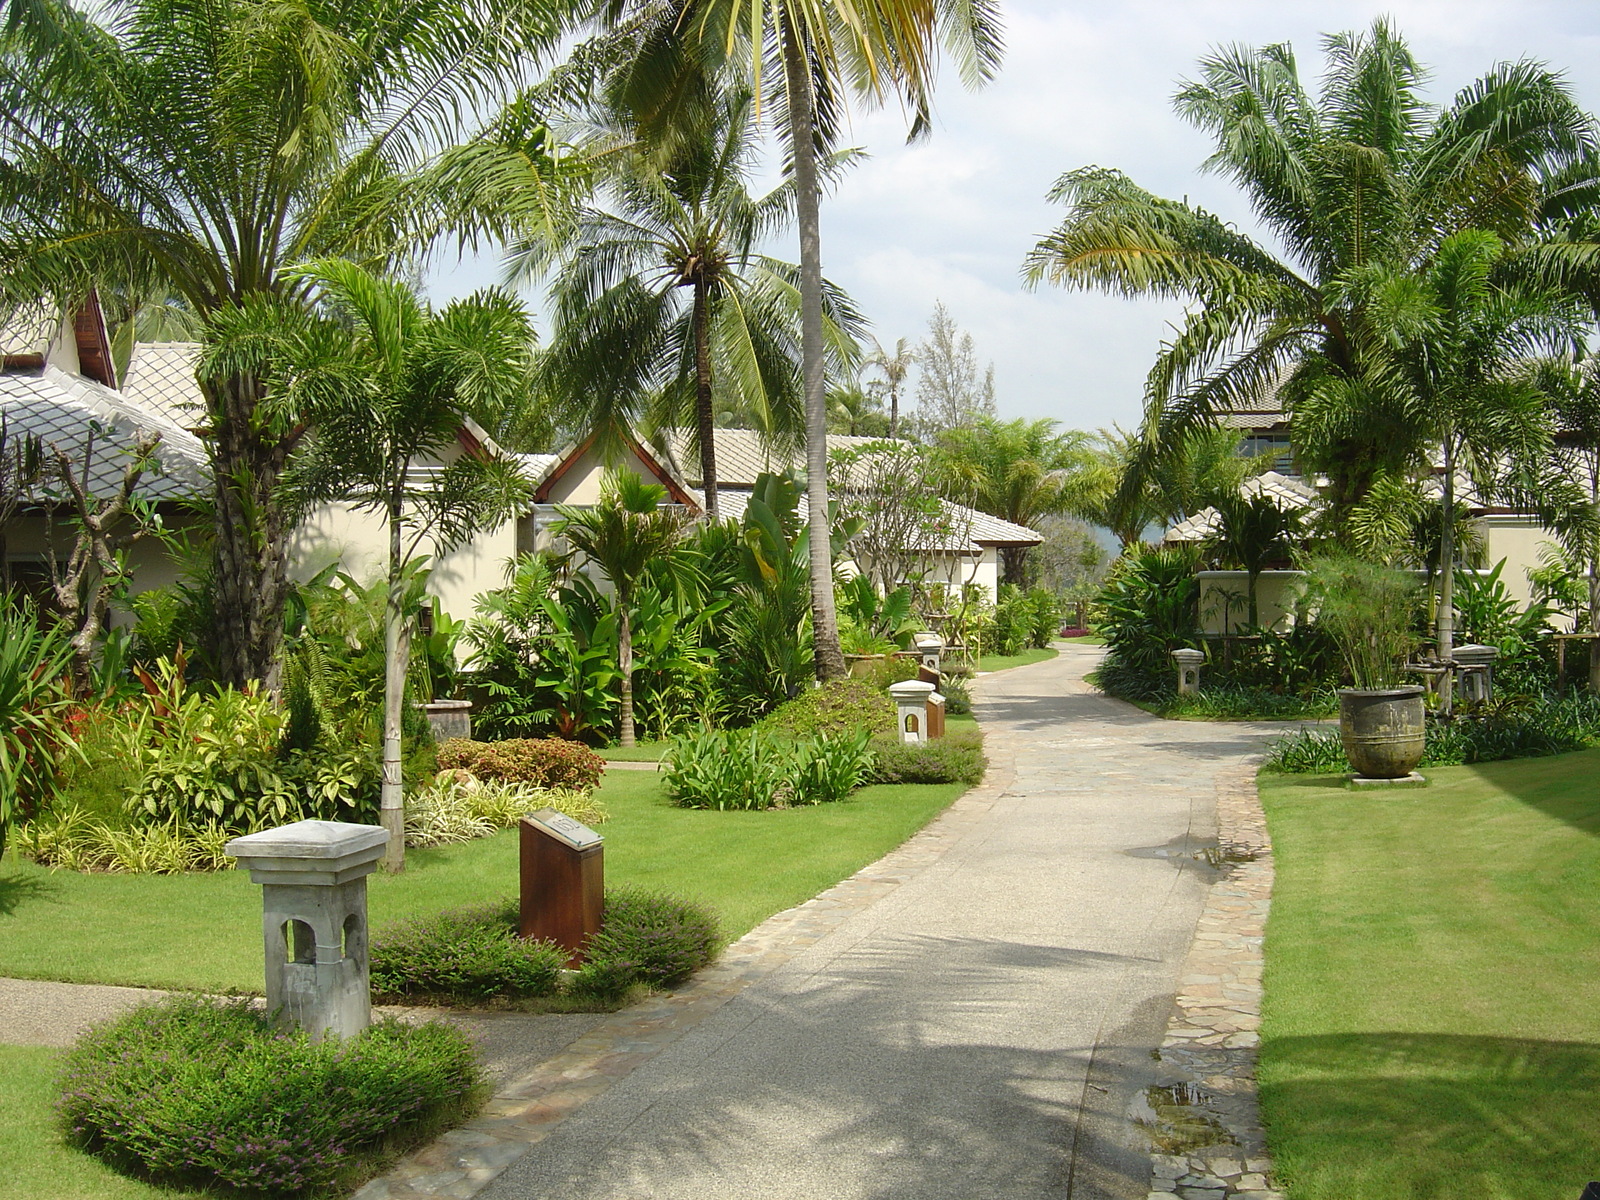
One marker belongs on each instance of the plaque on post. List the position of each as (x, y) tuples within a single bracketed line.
[(563, 881)]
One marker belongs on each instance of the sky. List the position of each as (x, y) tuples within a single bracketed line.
[(952, 217)]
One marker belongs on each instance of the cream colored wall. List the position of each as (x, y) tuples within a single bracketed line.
[(152, 564), (1517, 540), (580, 483), (1276, 592)]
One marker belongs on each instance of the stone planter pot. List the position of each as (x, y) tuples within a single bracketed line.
[(1382, 731), (861, 664), (449, 718)]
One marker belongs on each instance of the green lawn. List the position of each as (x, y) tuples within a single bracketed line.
[(1002, 662), (203, 931), (1088, 639), (643, 752), (34, 1162), (1431, 1027)]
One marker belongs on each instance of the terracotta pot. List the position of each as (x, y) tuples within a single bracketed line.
[(1383, 732)]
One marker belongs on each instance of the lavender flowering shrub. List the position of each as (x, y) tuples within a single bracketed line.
[(199, 1091), (647, 937), (465, 955)]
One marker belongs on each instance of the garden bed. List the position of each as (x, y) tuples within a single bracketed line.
[(124, 929), (1429, 1028)]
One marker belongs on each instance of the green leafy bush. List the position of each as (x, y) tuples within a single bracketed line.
[(957, 699), (546, 763), (647, 937), (1149, 606), (839, 706), (465, 954), (34, 739), (458, 807), (1044, 616), (955, 758), (752, 769), (75, 840), (203, 1092)]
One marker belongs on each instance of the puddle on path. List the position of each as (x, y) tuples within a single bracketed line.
[(1175, 1121), (1185, 851)]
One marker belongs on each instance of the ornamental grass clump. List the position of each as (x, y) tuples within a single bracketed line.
[(201, 1092), (752, 769), (458, 807), (1370, 612)]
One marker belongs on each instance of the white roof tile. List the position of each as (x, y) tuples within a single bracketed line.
[(160, 379)]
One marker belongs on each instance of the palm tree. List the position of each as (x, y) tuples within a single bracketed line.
[(1253, 531), (822, 51), (197, 149), (622, 535), (1366, 173), (895, 367), (1017, 470), (385, 382), (661, 301)]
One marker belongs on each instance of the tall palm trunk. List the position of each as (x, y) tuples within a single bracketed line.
[(625, 732), (808, 201), (702, 398), (1444, 625), (250, 566), (396, 650)]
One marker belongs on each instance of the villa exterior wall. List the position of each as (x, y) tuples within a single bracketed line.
[(1516, 539), (1225, 605)]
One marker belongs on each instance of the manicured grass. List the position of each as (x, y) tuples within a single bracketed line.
[(1430, 1025), (1002, 662), (34, 1161), (643, 752), (203, 931), (1088, 639)]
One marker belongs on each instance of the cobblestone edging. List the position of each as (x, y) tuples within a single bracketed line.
[(1209, 1054), (527, 1109)]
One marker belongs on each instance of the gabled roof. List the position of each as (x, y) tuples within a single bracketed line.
[(1288, 493), (160, 379), (40, 335), (551, 468), (62, 410)]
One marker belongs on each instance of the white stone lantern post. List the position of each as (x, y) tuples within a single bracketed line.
[(314, 920), (911, 709), (930, 651), (1188, 670), (1475, 670)]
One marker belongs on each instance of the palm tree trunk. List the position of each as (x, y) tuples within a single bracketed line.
[(894, 408), (1251, 580), (702, 399), (808, 200), (1444, 627), (250, 576), (391, 804), (625, 733)]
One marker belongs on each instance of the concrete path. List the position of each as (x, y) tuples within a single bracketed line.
[(983, 1030)]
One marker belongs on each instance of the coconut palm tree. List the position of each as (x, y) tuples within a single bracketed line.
[(1365, 173), (822, 53), (661, 302), (894, 368), (197, 149), (622, 535), (385, 382)]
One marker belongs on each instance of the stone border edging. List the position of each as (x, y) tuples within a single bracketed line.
[(1209, 1052), (527, 1109)]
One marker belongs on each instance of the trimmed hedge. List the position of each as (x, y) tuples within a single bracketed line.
[(464, 954), (200, 1091), (547, 762), (839, 706), (955, 758)]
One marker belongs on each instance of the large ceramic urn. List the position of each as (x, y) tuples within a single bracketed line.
[(1383, 731)]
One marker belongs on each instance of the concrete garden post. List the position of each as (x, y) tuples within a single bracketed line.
[(1188, 670), (313, 877), (1475, 669), (911, 709), (930, 653)]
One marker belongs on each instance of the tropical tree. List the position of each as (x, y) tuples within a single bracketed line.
[(1253, 531), (894, 368), (1566, 491), (623, 535), (1017, 470), (194, 150), (388, 384), (857, 411), (661, 300), (821, 52), (1366, 173)]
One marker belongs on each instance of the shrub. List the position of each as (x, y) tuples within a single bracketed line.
[(827, 769), (202, 1091), (957, 699), (465, 954), (955, 758), (1044, 615), (752, 769), (458, 807), (725, 769), (546, 762), (839, 706), (75, 840), (33, 734), (647, 937)]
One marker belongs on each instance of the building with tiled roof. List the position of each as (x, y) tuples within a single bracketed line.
[(160, 379)]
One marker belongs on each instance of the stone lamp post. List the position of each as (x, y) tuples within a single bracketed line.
[(1188, 670), (911, 709), (314, 920)]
